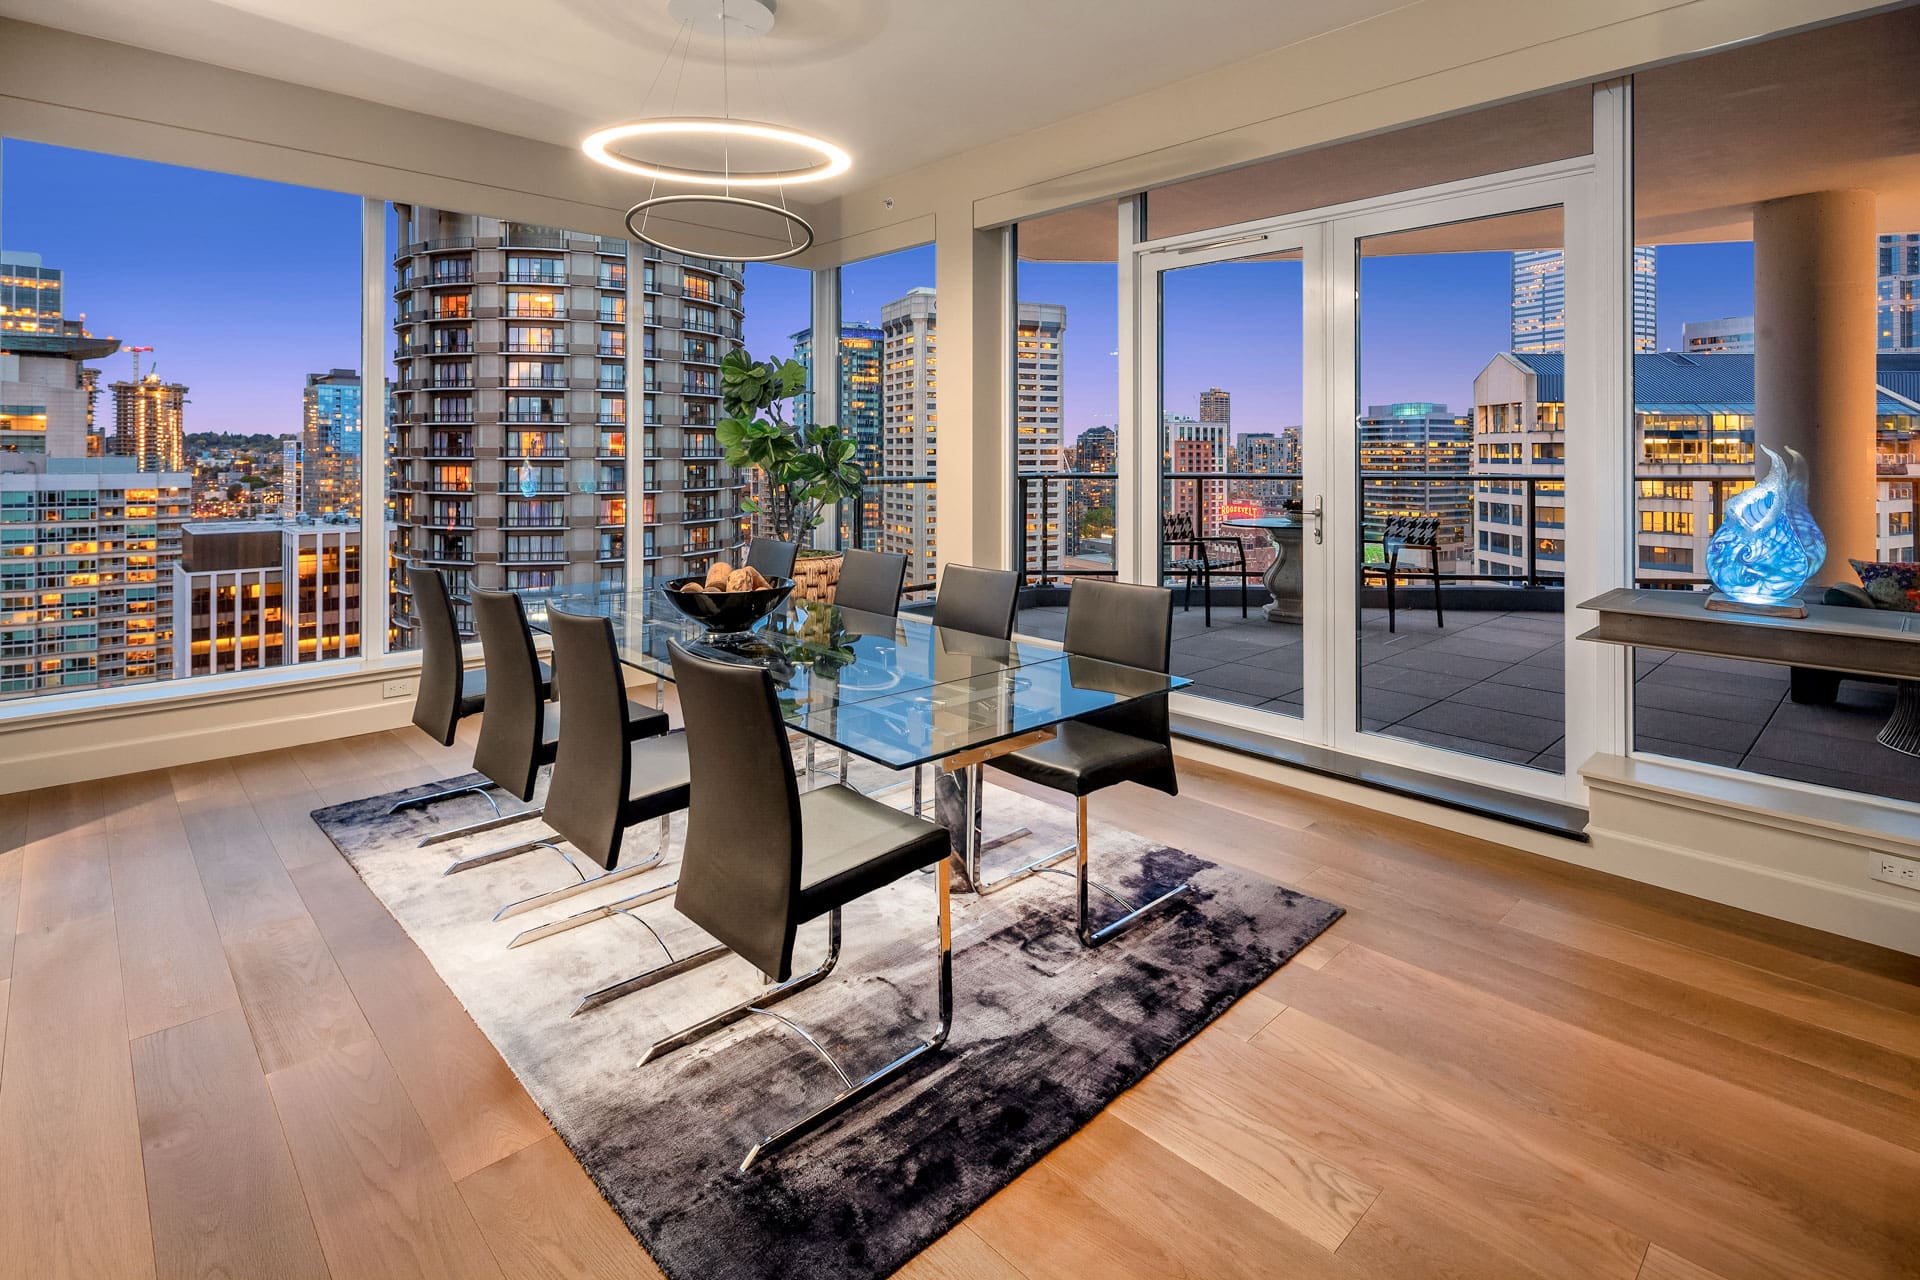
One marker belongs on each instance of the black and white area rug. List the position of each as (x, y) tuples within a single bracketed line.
[(1045, 1033)]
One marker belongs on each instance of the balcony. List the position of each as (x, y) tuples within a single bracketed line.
[(552, 279)]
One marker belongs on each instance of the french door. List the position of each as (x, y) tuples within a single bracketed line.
[(1360, 417)]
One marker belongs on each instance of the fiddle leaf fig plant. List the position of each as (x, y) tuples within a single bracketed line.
[(807, 467)]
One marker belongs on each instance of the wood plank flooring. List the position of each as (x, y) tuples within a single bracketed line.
[(219, 1056)]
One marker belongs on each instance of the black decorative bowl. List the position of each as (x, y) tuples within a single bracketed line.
[(727, 612)]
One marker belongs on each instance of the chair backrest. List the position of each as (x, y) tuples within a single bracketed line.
[(1418, 532), (512, 730), (772, 557), (436, 705), (871, 581), (1176, 527), (740, 875), (587, 796), (1133, 625), (978, 600)]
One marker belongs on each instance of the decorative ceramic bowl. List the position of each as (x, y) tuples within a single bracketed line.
[(727, 612)]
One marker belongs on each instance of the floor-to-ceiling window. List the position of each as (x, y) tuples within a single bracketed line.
[(180, 423), (1777, 206), (890, 300), (1064, 405)]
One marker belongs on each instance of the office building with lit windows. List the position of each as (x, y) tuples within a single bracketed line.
[(1539, 305), (29, 294), (909, 421), (1897, 326), (1731, 335), (860, 347), (1693, 448), (329, 471), (1039, 401), (512, 414), (255, 594), (1416, 459)]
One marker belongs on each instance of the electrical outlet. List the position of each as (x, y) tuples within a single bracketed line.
[(402, 688), (1894, 869)]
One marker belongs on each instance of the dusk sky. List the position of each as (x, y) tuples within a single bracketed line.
[(244, 287)]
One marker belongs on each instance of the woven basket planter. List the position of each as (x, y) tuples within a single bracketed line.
[(817, 577)]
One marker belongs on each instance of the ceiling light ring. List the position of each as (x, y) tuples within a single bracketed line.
[(788, 216), (832, 160)]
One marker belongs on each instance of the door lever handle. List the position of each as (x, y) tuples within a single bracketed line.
[(1319, 514)]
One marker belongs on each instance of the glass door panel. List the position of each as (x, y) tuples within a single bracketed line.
[(1459, 442), (1232, 457)]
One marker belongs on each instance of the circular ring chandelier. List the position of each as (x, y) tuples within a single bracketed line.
[(832, 163), (793, 221), (822, 158)]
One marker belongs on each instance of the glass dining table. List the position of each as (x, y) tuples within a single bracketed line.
[(897, 691)]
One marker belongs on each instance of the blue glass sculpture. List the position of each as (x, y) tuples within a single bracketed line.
[(1804, 528), (1758, 555)]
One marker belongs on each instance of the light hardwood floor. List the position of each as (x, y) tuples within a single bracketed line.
[(222, 1057)]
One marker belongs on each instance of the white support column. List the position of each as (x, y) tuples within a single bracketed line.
[(374, 429), (973, 479), (1136, 497), (1599, 458), (825, 323)]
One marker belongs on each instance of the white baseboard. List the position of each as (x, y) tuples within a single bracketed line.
[(160, 735), (1801, 856)]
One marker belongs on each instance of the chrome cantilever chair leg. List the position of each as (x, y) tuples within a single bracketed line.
[(586, 881), (475, 828), (1090, 936), (853, 1091), (482, 789)]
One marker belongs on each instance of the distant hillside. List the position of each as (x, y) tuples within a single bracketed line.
[(197, 440)]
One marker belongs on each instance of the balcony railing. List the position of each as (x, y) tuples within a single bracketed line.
[(1538, 530)]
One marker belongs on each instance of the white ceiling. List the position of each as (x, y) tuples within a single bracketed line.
[(896, 82)]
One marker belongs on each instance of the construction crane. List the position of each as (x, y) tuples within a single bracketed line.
[(135, 353)]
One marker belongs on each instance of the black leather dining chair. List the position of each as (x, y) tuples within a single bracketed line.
[(520, 732), (772, 557), (871, 581), (762, 859), (1132, 742), (448, 692), (603, 783), (978, 600)]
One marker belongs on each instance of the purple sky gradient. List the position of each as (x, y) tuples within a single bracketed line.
[(242, 287)]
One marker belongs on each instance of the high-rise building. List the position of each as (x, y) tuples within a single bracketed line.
[(511, 416), (330, 444), (1416, 459), (253, 594), (1216, 405), (1265, 453), (85, 592), (29, 295), (860, 347), (1898, 327), (1730, 335), (1096, 450), (1196, 447), (909, 419), (1039, 402), (149, 423), (1539, 305), (289, 477), (1692, 450)]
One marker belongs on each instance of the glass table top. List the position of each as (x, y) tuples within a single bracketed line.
[(898, 691)]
